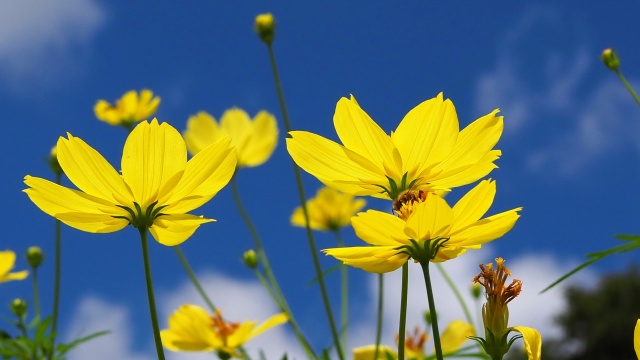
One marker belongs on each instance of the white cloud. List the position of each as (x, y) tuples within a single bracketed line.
[(37, 38), (93, 315)]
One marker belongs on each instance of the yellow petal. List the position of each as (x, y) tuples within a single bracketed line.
[(189, 330), (240, 335), (147, 105), (261, 142), (174, 229), (376, 259), (474, 204), (152, 155), (427, 134), (450, 178), (456, 334), (271, 322), (636, 339), (7, 260), (90, 171), (431, 219), (18, 275), (202, 131), (368, 352), (359, 133), (236, 123), (205, 174), (532, 341), (485, 230), (129, 104), (334, 164), (449, 252), (106, 112), (379, 228)]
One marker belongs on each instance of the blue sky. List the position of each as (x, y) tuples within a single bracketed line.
[(570, 149)]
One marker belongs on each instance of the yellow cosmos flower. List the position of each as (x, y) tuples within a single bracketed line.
[(155, 191), (432, 222), (495, 313), (329, 210), (255, 140), (129, 109), (426, 152), (7, 260), (456, 334), (191, 328)]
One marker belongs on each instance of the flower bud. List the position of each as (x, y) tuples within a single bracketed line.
[(19, 307), (35, 256), (476, 290), (250, 259), (265, 27), (53, 161), (610, 59), (427, 318)]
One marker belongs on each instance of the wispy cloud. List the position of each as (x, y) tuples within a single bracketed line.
[(42, 40)]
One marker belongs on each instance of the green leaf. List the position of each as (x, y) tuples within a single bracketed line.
[(64, 348)]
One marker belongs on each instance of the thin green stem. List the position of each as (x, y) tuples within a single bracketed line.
[(456, 292), (432, 310), (36, 293), (344, 294), (152, 301), (56, 277), (264, 260), (403, 310), (379, 315), (193, 278), (301, 194), (628, 86)]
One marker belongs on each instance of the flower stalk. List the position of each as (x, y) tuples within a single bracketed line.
[(150, 296), (432, 309), (403, 311)]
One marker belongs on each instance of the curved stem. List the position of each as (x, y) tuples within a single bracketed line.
[(344, 294), (456, 292), (303, 202), (274, 290), (379, 320), (403, 310), (152, 301), (432, 310), (193, 278), (628, 86)]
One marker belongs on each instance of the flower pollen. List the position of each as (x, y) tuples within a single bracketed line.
[(407, 201), (494, 283), (222, 328)]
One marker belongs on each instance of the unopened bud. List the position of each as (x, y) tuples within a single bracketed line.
[(19, 307), (265, 27), (476, 290), (610, 59), (35, 256), (427, 318), (53, 161), (250, 258)]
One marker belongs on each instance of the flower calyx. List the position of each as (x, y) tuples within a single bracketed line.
[(139, 219)]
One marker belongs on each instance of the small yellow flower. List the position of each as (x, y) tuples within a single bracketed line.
[(430, 222), (255, 140), (128, 109), (265, 27), (368, 352), (495, 313), (329, 210), (426, 152), (191, 328), (7, 261), (155, 191)]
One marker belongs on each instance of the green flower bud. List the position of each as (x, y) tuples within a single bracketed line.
[(427, 318), (53, 161), (476, 290), (610, 59), (19, 307), (35, 256), (265, 27), (250, 258)]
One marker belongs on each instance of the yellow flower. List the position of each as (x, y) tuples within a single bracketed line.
[(431, 222), (329, 210), (128, 109), (495, 313), (426, 152), (191, 328), (367, 352), (456, 334), (7, 260), (636, 339), (155, 191), (254, 140)]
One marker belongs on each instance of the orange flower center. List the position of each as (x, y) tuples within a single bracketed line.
[(222, 328)]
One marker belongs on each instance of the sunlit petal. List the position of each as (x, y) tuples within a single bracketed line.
[(379, 228), (377, 259), (261, 142), (174, 229), (431, 219), (456, 334), (474, 204), (202, 131), (487, 229), (532, 341)]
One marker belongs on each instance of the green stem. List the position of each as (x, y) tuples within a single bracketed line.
[(193, 278), (57, 277), (264, 260), (303, 202), (344, 294), (152, 301), (628, 86), (36, 293), (403, 310), (432, 310), (456, 292), (379, 320)]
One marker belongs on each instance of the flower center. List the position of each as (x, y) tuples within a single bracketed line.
[(494, 283), (407, 201), (222, 328)]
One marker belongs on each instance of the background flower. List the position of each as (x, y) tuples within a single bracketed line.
[(7, 261), (129, 109), (329, 210)]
